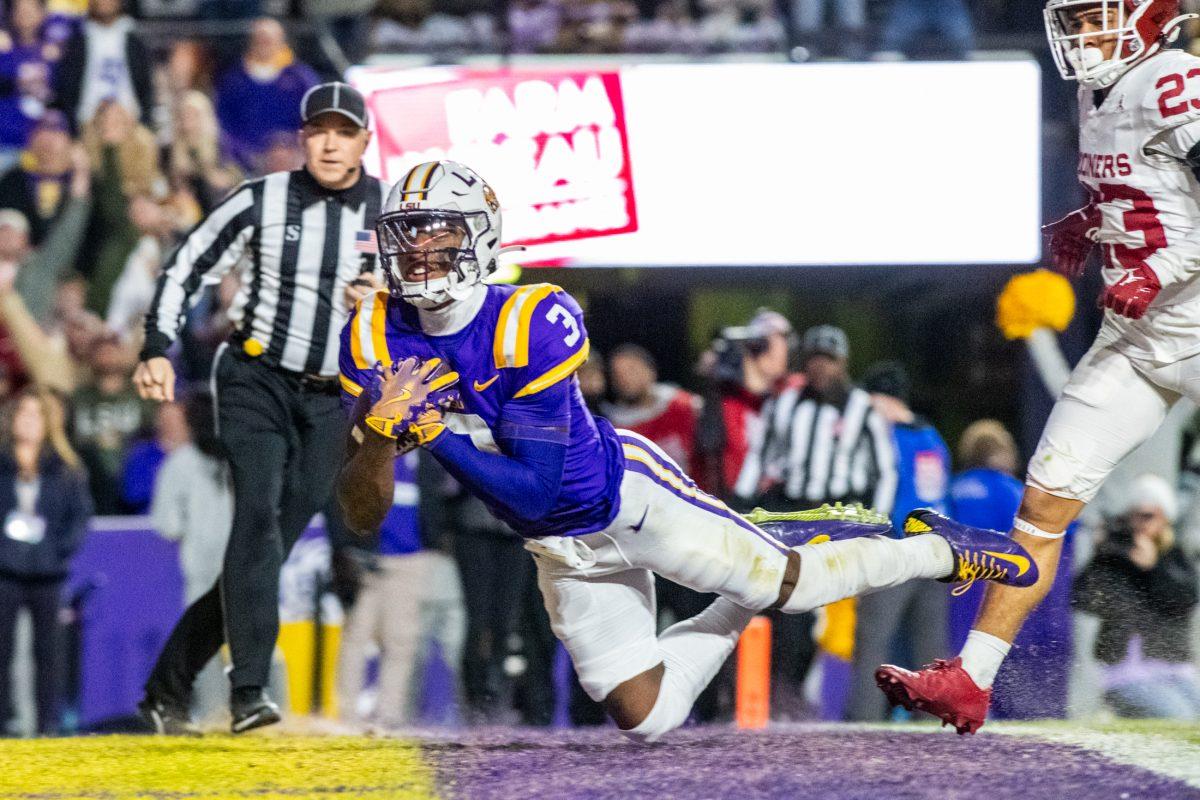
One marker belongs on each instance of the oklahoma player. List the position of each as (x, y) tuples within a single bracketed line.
[(1139, 156)]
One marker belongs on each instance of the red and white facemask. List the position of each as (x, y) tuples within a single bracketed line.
[(1139, 27)]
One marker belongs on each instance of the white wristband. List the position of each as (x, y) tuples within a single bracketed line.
[(1033, 530)]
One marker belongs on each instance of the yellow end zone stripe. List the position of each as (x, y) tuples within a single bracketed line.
[(350, 386), (553, 376), (632, 451)]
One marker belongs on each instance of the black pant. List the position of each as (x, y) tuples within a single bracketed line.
[(284, 441), (495, 577), (41, 597)]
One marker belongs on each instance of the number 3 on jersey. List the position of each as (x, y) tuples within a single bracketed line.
[(556, 313), (1142, 216)]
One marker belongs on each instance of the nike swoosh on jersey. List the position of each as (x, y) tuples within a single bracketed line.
[(1020, 562), (479, 387)]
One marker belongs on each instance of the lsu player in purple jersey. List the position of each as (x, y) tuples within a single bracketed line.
[(483, 378)]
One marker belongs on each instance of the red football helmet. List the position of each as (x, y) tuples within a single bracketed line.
[(1141, 28)]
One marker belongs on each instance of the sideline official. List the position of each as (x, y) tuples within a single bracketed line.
[(299, 236)]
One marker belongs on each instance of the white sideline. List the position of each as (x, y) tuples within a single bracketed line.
[(1158, 753)]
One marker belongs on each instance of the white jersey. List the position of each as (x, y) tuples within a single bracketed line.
[(1149, 200)]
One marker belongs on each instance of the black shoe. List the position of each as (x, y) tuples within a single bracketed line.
[(252, 709), (165, 719)]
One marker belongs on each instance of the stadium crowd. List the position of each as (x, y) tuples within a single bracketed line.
[(110, 150)]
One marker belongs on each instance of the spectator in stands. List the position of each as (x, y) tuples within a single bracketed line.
[(845, 37), (669, 27), (948, 20), (29, 50), (146, 456), (745, 367), (496, 577), (388, 602), (38, 271), (916, 612), (195, 158), (107, 416), (984, 494), (1143, 589), (38, 185), (663, 413), (105, 60), (261, 95), (740, 25), (593, 383), (45, 508), (533, 25), (125, 159), (193, 504), (190, 66), (134, 290), (55, 355), (282, 155), (593, 26)]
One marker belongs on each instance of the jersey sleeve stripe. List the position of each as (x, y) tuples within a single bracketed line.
[(564, 370), (350, 386), (498, 349), (378, 334), (360, 334), (524, 319)]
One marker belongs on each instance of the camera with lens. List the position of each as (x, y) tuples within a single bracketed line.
[(731, 347)]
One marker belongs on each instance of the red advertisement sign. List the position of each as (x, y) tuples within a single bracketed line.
[(553, 144)]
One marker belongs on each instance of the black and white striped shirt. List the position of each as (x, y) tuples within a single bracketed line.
[(816, 451), (296, 241)]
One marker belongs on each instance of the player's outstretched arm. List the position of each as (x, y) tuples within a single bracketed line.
[(525, 479), (365, 484)]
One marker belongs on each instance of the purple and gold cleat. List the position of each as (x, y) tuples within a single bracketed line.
[(979, 554), (825, 524)]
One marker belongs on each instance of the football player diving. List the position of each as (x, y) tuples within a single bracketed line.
[(483, 377)]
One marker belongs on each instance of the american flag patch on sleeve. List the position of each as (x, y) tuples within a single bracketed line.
[(365, 242)]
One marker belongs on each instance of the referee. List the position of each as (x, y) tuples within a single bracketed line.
[(275, 386)]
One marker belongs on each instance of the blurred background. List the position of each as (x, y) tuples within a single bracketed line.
[(750, 198)]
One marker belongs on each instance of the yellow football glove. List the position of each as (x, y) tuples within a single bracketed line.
[(413, 391)]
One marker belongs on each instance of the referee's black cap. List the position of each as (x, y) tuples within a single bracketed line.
[(336, 98)]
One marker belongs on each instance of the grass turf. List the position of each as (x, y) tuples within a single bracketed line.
[(268, 767)]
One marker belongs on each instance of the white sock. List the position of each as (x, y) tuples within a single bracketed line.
[(832, 571), (982, 656), (692, 652)]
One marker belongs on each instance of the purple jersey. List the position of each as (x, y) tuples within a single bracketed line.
[(522, 341)]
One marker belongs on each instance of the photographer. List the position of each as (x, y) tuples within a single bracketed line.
[(1143, 589), (745, 367)]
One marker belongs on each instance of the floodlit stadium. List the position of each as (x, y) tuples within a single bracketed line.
[(599, 398)]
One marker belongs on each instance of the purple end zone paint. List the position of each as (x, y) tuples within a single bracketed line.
[(783, 762)]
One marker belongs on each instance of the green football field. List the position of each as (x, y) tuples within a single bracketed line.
[(1058, 760)]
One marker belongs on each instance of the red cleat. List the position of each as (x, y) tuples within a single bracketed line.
[(943, 689)]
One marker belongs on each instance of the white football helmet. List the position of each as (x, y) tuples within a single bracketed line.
[(439, 200), (1141, 28)]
